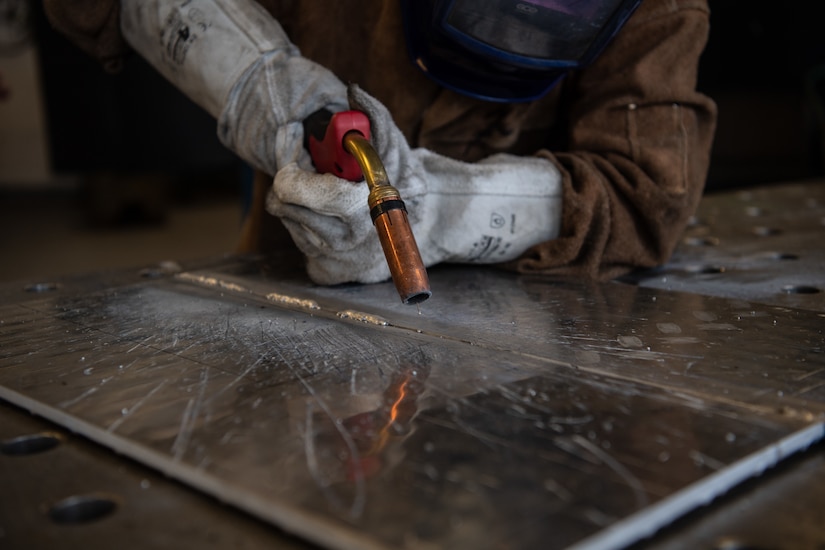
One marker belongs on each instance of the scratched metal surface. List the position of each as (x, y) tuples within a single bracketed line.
[(512, 411), (763, 244), (49, 476), (781, 510)]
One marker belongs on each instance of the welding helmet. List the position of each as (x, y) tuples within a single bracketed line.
[(508, 50)]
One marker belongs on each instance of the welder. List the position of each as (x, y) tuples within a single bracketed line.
[(544, 136)]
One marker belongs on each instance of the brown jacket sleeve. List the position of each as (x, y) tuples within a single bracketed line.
[(93, 25), (639, 140)]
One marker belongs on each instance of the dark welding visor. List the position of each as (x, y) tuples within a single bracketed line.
[(506, 50)]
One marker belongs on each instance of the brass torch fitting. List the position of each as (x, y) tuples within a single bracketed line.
[(389, 215)]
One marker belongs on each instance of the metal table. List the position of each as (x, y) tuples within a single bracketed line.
[(233, 403)]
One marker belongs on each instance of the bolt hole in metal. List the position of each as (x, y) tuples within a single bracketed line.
[(701, 241), (782, 256), (41, 287), (800, 289), (30, 444), (166, 267), (151, 273), (705, 269), (82, 509), (764, 231)]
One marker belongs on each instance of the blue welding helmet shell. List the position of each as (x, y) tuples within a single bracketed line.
[(506, 50)]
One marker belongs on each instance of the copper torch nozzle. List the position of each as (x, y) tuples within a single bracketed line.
[(389, 215)]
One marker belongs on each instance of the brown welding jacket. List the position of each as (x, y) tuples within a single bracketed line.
[(630, 134)]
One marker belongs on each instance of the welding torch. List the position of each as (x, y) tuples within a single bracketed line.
[(340, 144)]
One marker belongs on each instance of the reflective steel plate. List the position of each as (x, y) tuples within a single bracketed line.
[(510, 412)]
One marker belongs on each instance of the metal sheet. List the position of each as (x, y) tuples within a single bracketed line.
[(761, 245), (62, 491), (512, 411), (781, 510)]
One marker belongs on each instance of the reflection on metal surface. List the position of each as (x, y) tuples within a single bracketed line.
[(512, 411), (344, 453)]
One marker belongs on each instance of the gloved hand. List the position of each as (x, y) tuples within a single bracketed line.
[(485, 212), (234, 60)]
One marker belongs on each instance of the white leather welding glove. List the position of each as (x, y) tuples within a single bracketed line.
[(485, 212), (234, 60)]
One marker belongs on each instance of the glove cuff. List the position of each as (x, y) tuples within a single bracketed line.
[(487, 212)]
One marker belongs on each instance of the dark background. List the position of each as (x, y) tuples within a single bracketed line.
[(132, 122), (765, 67)]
